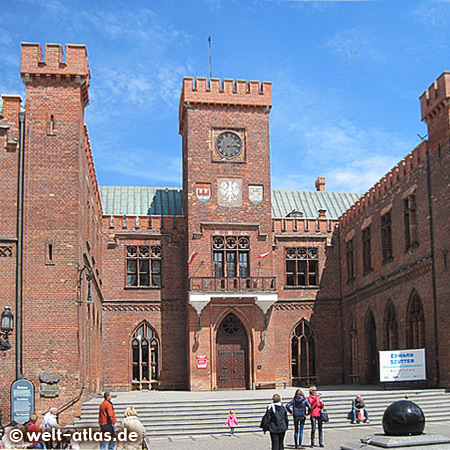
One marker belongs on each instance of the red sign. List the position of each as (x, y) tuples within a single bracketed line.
[(202, 362)]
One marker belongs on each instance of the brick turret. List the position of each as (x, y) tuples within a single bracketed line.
[(435, 105), (75, 68)]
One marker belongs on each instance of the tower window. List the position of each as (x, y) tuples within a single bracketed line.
[(231, 256)]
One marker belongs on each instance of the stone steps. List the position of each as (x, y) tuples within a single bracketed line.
[(206, 416)]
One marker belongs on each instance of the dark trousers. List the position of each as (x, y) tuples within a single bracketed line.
[(299, 423), (316, 422), (277, 440)]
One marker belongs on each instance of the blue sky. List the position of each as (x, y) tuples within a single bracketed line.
[(346, 77)]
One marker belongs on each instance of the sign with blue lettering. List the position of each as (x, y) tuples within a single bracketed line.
[(22, 400), (402, 365)]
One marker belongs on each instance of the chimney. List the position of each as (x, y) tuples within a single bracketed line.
[(322, 213), (320, 183)]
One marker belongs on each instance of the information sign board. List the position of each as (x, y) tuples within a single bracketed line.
[(402, 365), (22, 400)]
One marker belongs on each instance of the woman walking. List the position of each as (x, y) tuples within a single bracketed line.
[(276, 422), (300, 409), (316, 419), (132, 423)]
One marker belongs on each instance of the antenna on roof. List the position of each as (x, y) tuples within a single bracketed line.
[(210, 66)]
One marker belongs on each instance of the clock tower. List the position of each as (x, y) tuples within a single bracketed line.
[(227, 206)]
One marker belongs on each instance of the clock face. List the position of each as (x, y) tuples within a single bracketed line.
[(229, 145)]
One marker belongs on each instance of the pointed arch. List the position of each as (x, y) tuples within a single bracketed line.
[(415, 322), (145, 353), (354, 366), (303, 354), (370, 332), (390, 327)]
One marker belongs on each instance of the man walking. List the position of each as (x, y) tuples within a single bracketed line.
[(107, 421)]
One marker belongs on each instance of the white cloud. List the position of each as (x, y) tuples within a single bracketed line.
[(315, 134)]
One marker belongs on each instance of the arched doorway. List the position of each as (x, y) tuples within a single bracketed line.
[(232, 354), (371, 349), (144, 357)]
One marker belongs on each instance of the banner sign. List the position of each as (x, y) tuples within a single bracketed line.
[(202, 362), (402, 365)]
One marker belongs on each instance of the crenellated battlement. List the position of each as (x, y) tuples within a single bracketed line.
[(53, 68), (435, 97), (227, 92), (408, 164), (75, 63)]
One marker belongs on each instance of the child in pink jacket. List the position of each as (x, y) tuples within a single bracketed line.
[(231, 422)]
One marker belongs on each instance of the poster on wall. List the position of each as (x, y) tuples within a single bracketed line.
[(202, 362), (22, 400), (402, 365)]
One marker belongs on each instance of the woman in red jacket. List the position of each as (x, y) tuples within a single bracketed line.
[(316, 419)]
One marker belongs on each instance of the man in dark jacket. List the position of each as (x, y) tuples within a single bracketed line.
[(276, 422), (301, 408), (358, 405)]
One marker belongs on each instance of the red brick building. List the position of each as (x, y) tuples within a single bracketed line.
[(223, 283)]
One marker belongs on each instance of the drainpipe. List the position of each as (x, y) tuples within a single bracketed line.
[(433, 270), (19, 276)]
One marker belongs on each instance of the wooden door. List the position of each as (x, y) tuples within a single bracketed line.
[(231, 372)]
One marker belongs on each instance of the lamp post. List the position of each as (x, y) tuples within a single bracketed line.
[(6, 328)]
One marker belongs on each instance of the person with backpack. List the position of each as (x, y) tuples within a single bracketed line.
[(300, 409), (276, 421)]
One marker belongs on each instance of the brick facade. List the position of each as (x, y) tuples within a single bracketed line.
[(87, 319)]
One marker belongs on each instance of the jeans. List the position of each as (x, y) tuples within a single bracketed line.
[(316, 422), (277, 440), (298, 438), (111, 444), (231, 431), (355, 414)]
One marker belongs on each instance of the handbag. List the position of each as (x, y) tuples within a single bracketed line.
[(324, 415)]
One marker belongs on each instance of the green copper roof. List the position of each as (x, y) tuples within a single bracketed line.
[(309, 203), (167, 201), (141, 200)]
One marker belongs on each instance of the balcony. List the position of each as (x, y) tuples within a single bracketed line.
[(248, 284)]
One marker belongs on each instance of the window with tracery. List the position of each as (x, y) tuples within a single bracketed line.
[(302, 266), (415, 323), (144, 265), (231, 256), (303, 354), (144, 360)]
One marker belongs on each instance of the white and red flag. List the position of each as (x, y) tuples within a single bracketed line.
[(192, 257), (263, 255)]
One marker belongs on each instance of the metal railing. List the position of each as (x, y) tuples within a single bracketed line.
[(247, 284)]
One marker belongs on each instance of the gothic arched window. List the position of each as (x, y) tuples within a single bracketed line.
[(303, 354), (390, 328), (415, 323), (144, 357)]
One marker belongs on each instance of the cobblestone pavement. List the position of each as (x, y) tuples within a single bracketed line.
[(333, 439)]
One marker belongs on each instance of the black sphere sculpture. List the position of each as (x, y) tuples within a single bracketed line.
[(403, 418)]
